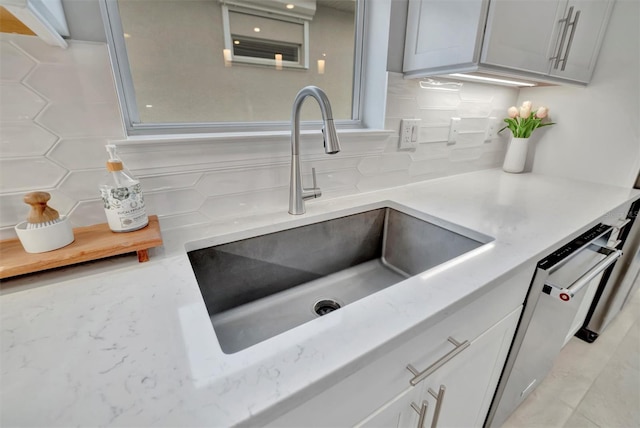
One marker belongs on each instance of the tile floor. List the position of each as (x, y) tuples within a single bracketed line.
[(591, 385)]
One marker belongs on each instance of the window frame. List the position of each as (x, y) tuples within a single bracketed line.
[(129, 108)]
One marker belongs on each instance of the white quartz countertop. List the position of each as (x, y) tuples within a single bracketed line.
[(128, 344)]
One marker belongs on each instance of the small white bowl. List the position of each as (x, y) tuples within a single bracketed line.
[(46, 238)]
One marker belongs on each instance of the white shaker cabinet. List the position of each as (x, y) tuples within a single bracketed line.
[(458, 393), (520, 34), (557, 38), (443, 34), (550, 40), (576, 57)]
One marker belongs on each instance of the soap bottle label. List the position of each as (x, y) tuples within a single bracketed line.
[(124, 207)]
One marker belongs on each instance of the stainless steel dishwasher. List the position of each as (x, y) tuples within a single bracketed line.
[(560, 295), (622, 283)]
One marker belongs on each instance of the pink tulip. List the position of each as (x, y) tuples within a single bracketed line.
[(542, 112), (525, 112), (527, 104), (513, 112)]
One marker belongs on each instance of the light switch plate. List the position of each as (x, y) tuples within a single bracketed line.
[(454, 128), (409, 132), (492, 129)]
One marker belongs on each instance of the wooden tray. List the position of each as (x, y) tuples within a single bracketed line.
[(91, 243)]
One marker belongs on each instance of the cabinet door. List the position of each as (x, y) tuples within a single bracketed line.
[(399, 413), (465, 386), (581, 32), (442, 33), (520, 34), (459, 393)]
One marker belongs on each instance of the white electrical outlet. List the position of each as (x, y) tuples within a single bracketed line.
[(454, 128), (409, 132)]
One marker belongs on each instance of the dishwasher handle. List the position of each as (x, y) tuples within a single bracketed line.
[(566, 294)]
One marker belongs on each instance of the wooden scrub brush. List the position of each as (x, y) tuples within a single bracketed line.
[(41, 215), (44, 229)]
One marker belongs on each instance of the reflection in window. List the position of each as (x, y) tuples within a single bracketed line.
[(183, 71), (264, 49), (257, 39)]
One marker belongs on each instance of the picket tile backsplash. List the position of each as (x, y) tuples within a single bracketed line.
[(58, 108)]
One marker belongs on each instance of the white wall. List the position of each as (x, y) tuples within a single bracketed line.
[(597, 136)]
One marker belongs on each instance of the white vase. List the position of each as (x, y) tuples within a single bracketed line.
[(516, 156)]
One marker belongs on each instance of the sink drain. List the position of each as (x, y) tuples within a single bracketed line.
[(323, 307)]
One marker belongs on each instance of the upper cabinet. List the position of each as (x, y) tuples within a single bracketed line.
[(443, 34), (551, 40)]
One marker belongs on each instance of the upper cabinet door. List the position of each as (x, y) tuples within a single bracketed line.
[(443, 33), (520, 34), (581, 32)]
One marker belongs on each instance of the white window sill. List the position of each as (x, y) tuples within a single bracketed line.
[(246, 137)]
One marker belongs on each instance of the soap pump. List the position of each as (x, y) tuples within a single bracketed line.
[(122, 196)]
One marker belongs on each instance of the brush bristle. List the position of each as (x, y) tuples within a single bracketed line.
[(41, 225)]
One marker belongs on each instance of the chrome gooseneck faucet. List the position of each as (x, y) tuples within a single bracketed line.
[(298, 194)]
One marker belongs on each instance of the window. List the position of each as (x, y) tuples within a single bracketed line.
[(212, 65)]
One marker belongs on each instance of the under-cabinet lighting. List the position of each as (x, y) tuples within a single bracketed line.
[(149, 105), (256, 29), (290, 6), (236, 42), (491, 80)]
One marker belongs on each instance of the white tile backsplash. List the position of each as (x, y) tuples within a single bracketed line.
[(169, 202), (25, 174), (86, 213), (243, 180), (69, 83), (14, 65), (168, 182), (82, 185), (19, 102), (82, 118), (58, 108), (373, 165), (80, 153), (24, 138)]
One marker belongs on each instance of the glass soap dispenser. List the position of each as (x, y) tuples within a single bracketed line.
[(122, 196)]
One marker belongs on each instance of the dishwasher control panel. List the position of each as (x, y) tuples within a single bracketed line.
[(585, 239)]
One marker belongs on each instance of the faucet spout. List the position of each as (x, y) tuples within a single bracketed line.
[(298, 194)]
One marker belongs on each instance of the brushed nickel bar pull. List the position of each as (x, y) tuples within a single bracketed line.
[(422, 412), (419, 376), (562, 39), (573, 25), (439, 397), (567, 294)]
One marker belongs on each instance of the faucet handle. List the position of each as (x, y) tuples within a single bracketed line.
[(313, 175), (316, 190), (313, 192)]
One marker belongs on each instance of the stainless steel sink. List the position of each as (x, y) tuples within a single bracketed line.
[(259, 287)]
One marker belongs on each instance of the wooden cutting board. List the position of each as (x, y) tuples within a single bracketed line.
[(91, 243)]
